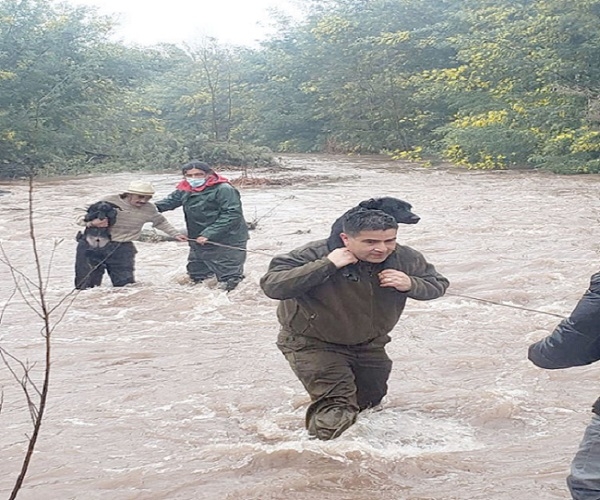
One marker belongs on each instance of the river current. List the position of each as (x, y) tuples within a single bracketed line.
[(165, 390)]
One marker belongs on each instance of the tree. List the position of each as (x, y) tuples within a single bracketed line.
[(534, 62), (59, 76)]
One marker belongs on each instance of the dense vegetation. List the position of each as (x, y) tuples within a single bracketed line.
[(502, 84)]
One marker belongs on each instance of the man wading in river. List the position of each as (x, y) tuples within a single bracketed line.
[(335, 324)]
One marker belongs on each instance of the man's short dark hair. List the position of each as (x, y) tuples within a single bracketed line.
[(367, 220), (200, 165)]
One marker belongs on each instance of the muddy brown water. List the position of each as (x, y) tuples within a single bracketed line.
[(163, 390)]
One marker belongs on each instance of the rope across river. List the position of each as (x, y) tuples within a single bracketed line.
[(450, 294)]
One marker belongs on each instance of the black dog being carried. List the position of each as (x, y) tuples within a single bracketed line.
[(94, 245), (398, 209)]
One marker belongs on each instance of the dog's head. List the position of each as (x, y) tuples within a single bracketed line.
[(398, 209), (102, 210)]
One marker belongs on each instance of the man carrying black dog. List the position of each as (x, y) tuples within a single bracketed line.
[(333, 328), (118, 256)]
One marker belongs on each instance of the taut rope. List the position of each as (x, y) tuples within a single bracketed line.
[(493, 302)]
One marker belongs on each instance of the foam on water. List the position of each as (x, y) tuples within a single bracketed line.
[(387, 434)]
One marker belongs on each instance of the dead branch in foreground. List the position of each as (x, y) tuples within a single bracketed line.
[(33, 292)]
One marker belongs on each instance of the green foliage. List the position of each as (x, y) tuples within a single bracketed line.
[(536, 62), (487, 141), (485, 84), (413, 155), (60, 77), (360, 73), (571, 151), (230, 154), (493, 146)]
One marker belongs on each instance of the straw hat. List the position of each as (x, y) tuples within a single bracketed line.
[(140, 187)]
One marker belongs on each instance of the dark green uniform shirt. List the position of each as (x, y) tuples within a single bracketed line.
[(318, 300)]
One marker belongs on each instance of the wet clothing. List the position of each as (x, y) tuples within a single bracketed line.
[(334, 327), (118, 257), (131, 220), (226, 264), (583, 481), (576, 342), (342, 380), (318, 300), (214, 211)]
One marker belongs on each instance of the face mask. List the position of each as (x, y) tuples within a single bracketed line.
[(196, 183)]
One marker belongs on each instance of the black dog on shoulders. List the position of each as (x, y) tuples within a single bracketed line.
[(93, 245), (398, 209)]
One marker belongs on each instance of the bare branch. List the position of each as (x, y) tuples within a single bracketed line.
[(36, 411), (36, 255), (24, 380), (15, 274), (50, 261), (14, 271), (65, 310), (29, 298), (5, 306), (72, 295)]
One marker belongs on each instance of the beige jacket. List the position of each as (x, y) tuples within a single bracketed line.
[(131, 220)]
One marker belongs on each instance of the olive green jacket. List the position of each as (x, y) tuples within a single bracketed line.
[(215, 213), (318, 300)]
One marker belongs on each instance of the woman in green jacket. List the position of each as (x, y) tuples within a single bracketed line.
[(214, 217)]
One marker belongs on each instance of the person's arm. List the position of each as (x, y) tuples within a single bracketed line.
[(80, 214), (429, 285), (230, 214), (576, 339), (425, 282), (294, 274), (159, 221), (171, 202)]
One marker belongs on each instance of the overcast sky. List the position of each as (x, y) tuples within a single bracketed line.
[(146, 22)]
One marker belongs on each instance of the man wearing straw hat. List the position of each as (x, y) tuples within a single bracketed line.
[(133, 211)]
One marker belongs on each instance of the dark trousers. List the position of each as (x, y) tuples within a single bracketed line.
[(209, 260), (341, 380), (118, 259), (584, 480)]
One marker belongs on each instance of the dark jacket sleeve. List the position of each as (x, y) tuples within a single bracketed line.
[(576, 339), (428, 285), (171, 202), (230, 214), (426, 282), (294, 274)]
